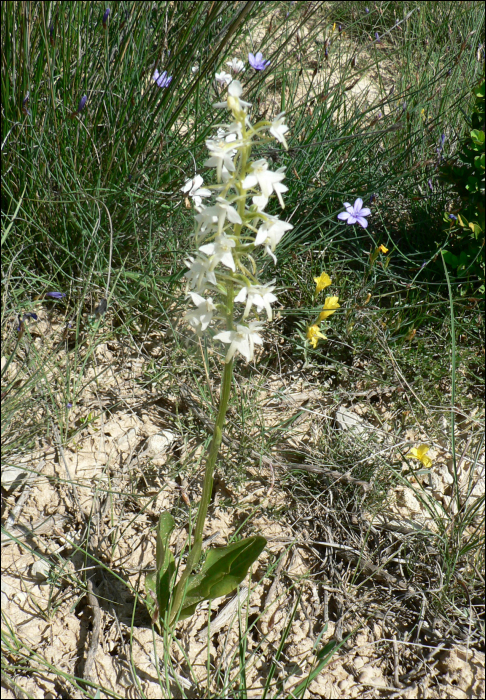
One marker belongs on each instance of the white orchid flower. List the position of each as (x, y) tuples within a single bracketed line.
[(221, 154), (236, 65), (259, 295), (216, 216), (200, 317), (242, 340), (231, 132), (223, 78), (270, 234), (279, 129), (233, 102), (199, 274), (267, 180), (194, 190), (220, 251)]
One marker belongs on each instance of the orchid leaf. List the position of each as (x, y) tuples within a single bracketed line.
[(223, 570), (157, 584)]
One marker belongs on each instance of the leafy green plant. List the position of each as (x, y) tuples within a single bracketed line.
[(465, 255)]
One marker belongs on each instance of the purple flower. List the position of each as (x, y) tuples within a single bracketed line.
[(355, 213), (105, 17), (162, 79), (258, 62), (55, 295), (377, 37), (69, 405), (453, 217), (367, 10), (30, 315), (429, 182), (82, 103)]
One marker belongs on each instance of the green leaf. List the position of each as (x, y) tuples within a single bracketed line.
[(472, 184), (164, 531), (479, 92), (223, 570), (164, 560), (157, 584), (476, 229), (150, 590), (477, 137), (164, 580), (451, 259)]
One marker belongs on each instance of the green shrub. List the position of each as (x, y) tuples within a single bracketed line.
[(465, 254)]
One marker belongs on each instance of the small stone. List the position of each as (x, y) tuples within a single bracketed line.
[(368, 674), (349, 421), (12, 477), (127, 441), (159, 443), (40, 570)]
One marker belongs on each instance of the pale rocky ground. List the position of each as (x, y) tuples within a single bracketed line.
[(131, 449)]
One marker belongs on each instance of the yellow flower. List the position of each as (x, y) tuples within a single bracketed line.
[(420, 453), (313, 335), (383, 249), (330, 306), (322, 282)]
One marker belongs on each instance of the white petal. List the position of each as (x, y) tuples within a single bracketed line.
[(241, 296), (227, 260), (208, 248), (235, 89), (196, 298), (249, 181), (225, 336)]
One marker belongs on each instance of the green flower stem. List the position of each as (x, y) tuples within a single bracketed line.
[(195, 553)]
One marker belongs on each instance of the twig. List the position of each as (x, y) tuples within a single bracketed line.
[(271, 592), (17, 509), (95, 636), (70, 479), (395, 662)]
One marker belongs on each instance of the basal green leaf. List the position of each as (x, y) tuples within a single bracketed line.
[(164, 531), (164, 580), (158, 583), (223, 570)]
